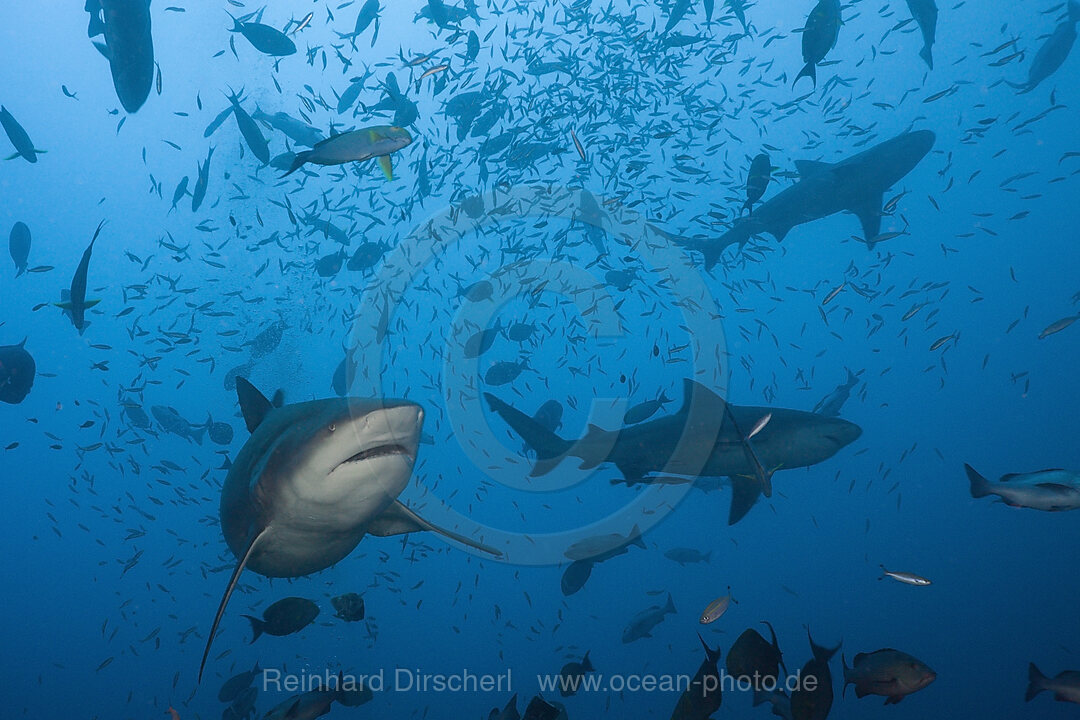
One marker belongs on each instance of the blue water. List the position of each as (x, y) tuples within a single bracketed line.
[(668, 134)]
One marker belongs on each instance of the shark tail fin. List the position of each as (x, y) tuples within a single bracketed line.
[(233, 579), (927, 54), (1036, 682), (810, 71), (549, 447), (256, 627), (980, 486), (745, 492)]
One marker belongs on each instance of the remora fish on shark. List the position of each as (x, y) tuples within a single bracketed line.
[(856, 185), (700, 440), (313, 479)]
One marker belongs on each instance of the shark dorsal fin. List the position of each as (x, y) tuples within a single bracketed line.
[(695, 392), (807, 168), (253, 403)]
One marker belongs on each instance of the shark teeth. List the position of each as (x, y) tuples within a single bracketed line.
[(377, 452)]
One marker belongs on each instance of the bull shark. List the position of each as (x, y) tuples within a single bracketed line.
[(856, 185), (702, 440), (313, 479)]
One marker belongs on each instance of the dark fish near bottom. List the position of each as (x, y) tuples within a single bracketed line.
[(349, 607), (285, 617), (17, 370), (814, 704), (235, 685)]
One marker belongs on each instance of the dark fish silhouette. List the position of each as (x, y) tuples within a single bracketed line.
[(19, 246), (17, 370), (128, 46), (73, 301)]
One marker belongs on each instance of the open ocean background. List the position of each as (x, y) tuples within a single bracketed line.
[(992, 217)]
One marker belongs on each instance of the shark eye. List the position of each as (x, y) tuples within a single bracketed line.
[(332, 427)]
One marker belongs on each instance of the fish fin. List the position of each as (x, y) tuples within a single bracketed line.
[(745, 492), (980, 486), (233, 579), (586, 663), (253, 404), (861, 691), (399, 520), (12, 157), (809, 70), (549, 447), (256, 627), (670, 606), (824, 654), (808, 168), (927, 54), (298, 161), (387, 166), (91, 303), (293, 711), (104, 50), (710, 654), (847, 674), (592, 436), (868, 210), (893, 699)]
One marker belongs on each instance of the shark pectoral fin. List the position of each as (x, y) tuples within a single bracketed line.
[(233, 579), (399, 520), (807, 168), (387, 166), (91, 303), (253, 403), (745, 492), (869, 214)]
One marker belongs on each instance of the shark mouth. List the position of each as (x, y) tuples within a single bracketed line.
[(378, 452)]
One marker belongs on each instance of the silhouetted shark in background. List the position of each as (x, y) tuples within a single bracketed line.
[(856, 185), (704, 438)]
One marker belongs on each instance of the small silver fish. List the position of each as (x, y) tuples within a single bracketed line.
[(904, 577)]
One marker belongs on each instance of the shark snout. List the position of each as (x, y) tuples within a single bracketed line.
[(843, 433), (395, 428)]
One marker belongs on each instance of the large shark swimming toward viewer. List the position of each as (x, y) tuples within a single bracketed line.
[(313, 479), (856, 185), (705, 438)]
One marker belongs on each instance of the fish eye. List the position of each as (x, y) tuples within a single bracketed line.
[(332, 427)]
